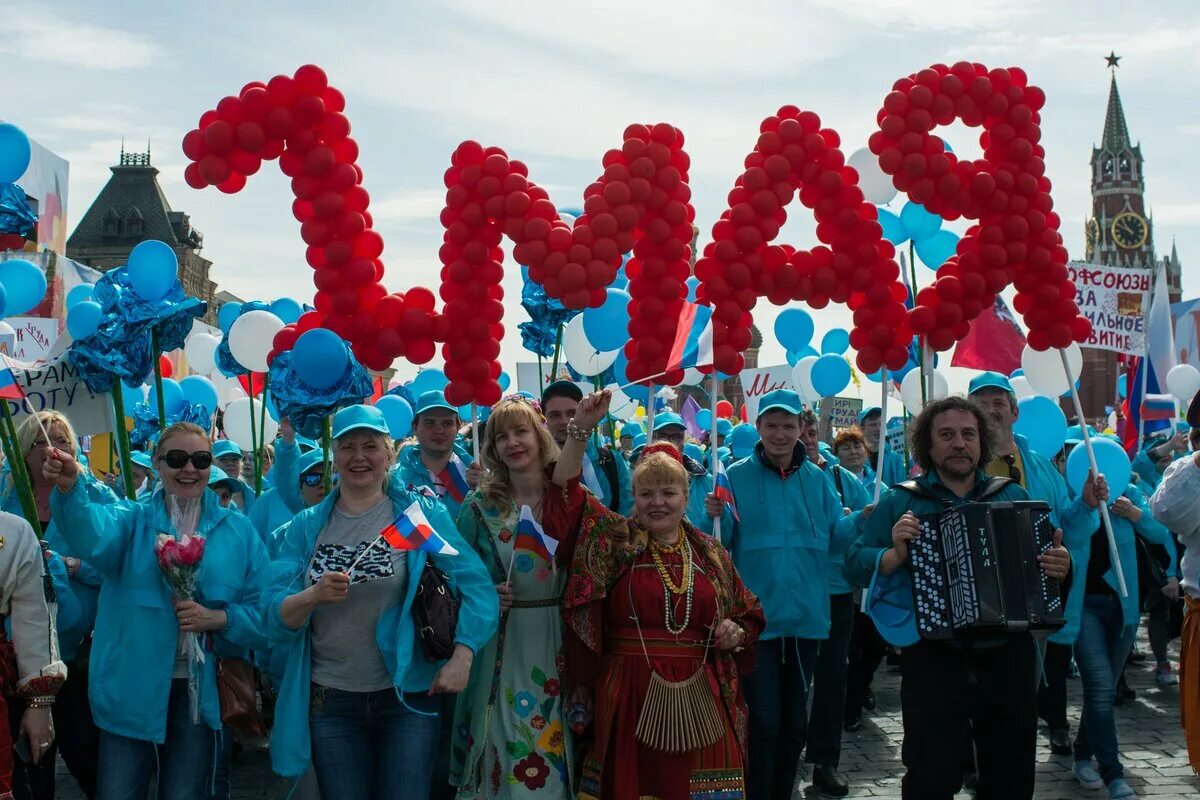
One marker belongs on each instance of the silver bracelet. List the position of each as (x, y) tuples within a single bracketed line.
[(577, 433)]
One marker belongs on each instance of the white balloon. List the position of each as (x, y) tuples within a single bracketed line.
[(1044, 369), (622, 405), (1112, 421), (876, 185), (802, 380), (910, 390), (201, 350), (1021, 388), (237, 422), (692, 377), (1183, 381), (251, 338), (579, 352)]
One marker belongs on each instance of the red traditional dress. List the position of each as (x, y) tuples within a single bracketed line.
[(617, 603)]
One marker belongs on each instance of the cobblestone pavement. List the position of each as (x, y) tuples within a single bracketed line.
[(1151, 740)]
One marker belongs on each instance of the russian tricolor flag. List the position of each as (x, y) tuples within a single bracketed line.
[(1158, 361), (1158, 407), (411, 531), (9, 388), (723, 489), (453, 479), (531, 537), (693, 346)]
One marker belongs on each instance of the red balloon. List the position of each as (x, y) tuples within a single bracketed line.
[(165, 367), (724, 409)]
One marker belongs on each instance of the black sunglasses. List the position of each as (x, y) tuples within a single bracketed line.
[(175, 459), (314, 479)]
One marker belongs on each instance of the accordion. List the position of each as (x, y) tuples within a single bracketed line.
[(975, 571)]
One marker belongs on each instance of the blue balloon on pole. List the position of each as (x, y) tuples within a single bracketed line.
[(1043, 423), (397, 413), (918, 223), (24, 286), (1112, 460), (80, 293), (606, 327), (830, 374), (153, 269), (199, 390), (794, 356), (937, 249), (742, 441), (704, 419), (693, 283), (172, 400), (794, 328), (428, 380), (15, 152), (505, 381), (893, 230), (320, 357), (228, 315), (836, 341), (131, 396), (1122, 386), (83, 319), (3, 300), (287, 310)]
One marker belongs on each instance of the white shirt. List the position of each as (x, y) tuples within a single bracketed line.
[(1176, 504), (23, 601)]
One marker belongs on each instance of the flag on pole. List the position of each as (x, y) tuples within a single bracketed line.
[(9, 388), (995, 341), (723, 489), (412, 531), (1158, 407), (693, 346), (1158, 361), (531, 537), (452, 480), (688, 411)]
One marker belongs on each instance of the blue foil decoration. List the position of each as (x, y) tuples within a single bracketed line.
[(145, 422), (545, 316), (15, 214), (305, 406), (405, 392), (226, 363)]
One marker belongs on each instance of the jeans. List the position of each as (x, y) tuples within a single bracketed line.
[(369, 745), (943, 687), (440, 788), (1100, 652), (829, 685), (184, 763), (867, 649), (224, 760), (1052, 690), (1157, 608), (777, 696)]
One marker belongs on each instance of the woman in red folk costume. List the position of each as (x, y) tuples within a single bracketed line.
[(659, 609)]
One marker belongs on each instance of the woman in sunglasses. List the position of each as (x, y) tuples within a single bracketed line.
[(150, 714), (358, 700)]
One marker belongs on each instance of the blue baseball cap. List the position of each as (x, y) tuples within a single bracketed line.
[(693, 451), (724, 427), (226, 447), (866, 412), (142, 459), (890, 606), (666, 419), (305, 444), (353, 418), (216, 478), (313, 458), (632, 429), (989, 380), (1075, 434), (432, 399), (780, 400)]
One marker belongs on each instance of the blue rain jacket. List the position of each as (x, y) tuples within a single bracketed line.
[(854, 496), (1124, 531), (412, 472), (624, 485)]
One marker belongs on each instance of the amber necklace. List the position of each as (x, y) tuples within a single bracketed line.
[(671, 590)]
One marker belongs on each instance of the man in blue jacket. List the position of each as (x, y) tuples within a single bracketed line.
[(437, 464), (993, 682), (871, 422), (1077, 517), (790, 520), (605, 473)]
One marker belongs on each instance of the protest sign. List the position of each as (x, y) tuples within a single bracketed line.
[(1115, 300), (843, 411), (758, 381)]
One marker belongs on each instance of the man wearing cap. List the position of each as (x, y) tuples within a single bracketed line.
[(227, 455), (438, 463), (790, 519), (605, 473), (992, 684), (277, 505), (871, 423), (1077, 517), (703, 506)]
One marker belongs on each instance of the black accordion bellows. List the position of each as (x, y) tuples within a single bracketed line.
[(975, 571)]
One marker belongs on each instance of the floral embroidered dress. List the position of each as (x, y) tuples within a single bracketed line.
[(511, 740)]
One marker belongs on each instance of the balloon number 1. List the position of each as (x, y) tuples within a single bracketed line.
[(642, 203)]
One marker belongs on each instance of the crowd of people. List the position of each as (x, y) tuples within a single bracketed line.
[(594, 619)]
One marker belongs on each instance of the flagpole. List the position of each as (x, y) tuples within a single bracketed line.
[(511, 558), (475, 434), (1087, 443), (367, 549), (883, 374), (712, 447), (650, 414)]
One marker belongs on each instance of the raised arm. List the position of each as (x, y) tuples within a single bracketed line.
[(286, 469), (96, 532)]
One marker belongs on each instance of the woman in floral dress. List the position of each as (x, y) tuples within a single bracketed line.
[(511, 737)]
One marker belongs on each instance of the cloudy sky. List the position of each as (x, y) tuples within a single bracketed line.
[(556, 83)]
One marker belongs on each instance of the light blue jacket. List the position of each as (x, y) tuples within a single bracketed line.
[(789, 524), (893, 467), (133, 652), (478, 617), (412, 472), (277, 505), (854, 496), (624, 485), (1124, 531)]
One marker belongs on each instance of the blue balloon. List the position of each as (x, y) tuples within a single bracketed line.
[(794, 356), (287, 310), (199, 390), (172, 397), (693, 283), (1016, 373), (228, 315), (320, 357), (704, 419), (830, 374), (937, 249), (639, 392), (80, 293), (1112, 460), (131, 396), (3, 300), (1122, 386), (620, 280), (505, 381), (893, 231), (918, 223), (607, 327), (83, 319), (724, 427), (836, 341), (1043, 423), (428, 380), (794, 328), (24, 286), (15, 152), (397, 413), (946, 146), (742, 440), (153, 269)]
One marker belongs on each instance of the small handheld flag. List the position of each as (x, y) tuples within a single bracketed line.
[(9, 388), (1158, 406), (411, 531), (531, 537), (452, 480), (723, 489), (693, 346)]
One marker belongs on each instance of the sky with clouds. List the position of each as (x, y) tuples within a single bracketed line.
[(555, 84)]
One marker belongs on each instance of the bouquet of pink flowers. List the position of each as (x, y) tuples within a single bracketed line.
[(179, 560)]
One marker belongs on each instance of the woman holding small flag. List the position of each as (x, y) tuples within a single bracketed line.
[(359, 695)]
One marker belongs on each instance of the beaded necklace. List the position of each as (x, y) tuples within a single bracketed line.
[(686, 586)]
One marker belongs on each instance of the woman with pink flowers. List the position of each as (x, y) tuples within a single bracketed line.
[(182, 578)]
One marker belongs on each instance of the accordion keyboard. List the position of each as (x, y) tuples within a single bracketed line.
[(1051, 593), (929, 583)]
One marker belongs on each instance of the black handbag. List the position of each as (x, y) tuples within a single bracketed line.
[(1152, 561), (435, 612)]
